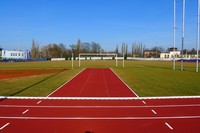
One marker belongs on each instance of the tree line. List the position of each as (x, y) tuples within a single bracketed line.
[(55, 50), (59, 50)]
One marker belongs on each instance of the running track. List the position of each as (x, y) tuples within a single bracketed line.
[(96, 100)]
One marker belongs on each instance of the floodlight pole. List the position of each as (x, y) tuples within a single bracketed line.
[(183, 30), (197, 58), (174, 62)]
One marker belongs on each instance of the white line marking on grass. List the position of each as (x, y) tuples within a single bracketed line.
[(154, 112), (125, 84), (39, 102), (169, 126), (65, 83), (25, 111), (4, 126)]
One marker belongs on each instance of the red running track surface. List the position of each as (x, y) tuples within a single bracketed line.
[(101, 82), (139, 115)]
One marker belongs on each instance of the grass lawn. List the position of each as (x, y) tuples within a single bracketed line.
[(146, 78), (157, 78)]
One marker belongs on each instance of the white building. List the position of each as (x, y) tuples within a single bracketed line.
[(170, 54), (15, 54)]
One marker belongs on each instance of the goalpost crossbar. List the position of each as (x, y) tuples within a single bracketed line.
[(97, 55)]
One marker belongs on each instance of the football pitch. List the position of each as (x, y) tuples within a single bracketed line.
[(146, 78)]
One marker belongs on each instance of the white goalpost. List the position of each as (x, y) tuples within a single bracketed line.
[(100, 56)]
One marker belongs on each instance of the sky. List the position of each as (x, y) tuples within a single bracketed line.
[(107, 22)]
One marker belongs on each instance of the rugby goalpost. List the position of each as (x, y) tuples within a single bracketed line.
[(100, 56)]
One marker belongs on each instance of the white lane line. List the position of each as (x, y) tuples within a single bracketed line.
[(92, 106), (4, 126), (25, 111), (144, 102), (102, 98), (105, 83), (169, 126), (65, 83), (39, 102), (104, 118), (154, 112), (125, 84)]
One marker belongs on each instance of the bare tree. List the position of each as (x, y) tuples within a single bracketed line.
[(138, 49), (116, 50), (126, 51), (35, 50), (96, 47), (123, 48), (62, 50), (78, 45)]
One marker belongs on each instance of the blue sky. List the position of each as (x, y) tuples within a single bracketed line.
[(108, 22)]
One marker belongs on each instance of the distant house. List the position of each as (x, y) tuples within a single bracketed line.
[(151, 54), (165, 55), (171, 53), (15, 54)]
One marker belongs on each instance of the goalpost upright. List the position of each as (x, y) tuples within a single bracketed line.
[(198, 33)]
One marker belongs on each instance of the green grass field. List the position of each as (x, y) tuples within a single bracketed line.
[(146, 78)]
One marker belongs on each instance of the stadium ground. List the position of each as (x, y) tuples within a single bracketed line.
[(113, 109), (147, 78)]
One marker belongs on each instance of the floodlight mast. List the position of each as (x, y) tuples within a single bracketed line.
[(174, 62), (197, 58), (183, 33)]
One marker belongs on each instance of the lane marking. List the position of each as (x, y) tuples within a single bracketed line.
[(169, 126), (144, 102), (66, 82), (111, 106), (103, 118), (125, 84), (105, 83), (4, 126), (102, 98), (154, 112), (25, 111), (39, 102), (85, 83)]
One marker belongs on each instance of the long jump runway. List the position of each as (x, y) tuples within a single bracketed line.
[(98, 101)]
